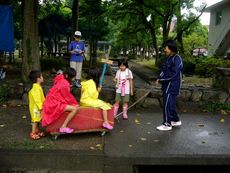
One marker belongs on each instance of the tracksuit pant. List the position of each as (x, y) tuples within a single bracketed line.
[(169, 109)]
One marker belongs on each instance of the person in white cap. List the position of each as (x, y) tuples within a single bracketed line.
[(76, 49)]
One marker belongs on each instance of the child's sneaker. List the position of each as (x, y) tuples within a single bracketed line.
[(107, 126), (66, 130), (164, 127), (125, 116), (176, 123), (77, 84)]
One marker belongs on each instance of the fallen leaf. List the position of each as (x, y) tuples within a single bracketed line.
[(204, 110), (223, 112), (41, 146), (137, 121), (92, 148), (18, 105), (143, 139), (156, 140), (4, 105), (98, 145), (2, 125), (24, 117), (149, 132), (184, 110), (122, 131), (148, 123), (20, 84), (130, 146), (222, 120)]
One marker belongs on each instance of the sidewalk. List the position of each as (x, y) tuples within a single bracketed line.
[(203, 139), (133, 146)]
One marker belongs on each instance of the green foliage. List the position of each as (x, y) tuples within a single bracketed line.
[(132, 56), (214, 107), (4, 93), (56, 63), (206, 67)]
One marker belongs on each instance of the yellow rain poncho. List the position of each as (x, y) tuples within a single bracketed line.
[(36, 99), (89, 96)]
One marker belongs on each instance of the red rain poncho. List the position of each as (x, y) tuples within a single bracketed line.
[(57, 99)]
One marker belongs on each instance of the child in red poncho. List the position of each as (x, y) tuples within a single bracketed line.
[(59, 99)]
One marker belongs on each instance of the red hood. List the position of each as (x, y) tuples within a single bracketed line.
[(58, 78)]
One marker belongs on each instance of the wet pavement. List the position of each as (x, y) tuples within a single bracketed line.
[(203, 139), (133, 145)]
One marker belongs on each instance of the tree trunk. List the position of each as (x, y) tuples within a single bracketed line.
[(75, 14), (31, 58)]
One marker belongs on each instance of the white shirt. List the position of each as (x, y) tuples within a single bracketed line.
[(123, 76)]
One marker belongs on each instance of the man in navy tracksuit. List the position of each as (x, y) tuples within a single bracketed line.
[(170, 79)]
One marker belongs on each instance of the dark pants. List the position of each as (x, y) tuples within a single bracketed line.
[(169, 108)]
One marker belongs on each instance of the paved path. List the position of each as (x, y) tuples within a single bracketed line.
[(133, 145)]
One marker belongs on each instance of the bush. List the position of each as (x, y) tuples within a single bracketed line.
[(206, 67)]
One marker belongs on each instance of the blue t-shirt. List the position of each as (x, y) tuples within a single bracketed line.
[(76, 46)]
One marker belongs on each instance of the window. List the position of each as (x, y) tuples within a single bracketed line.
[(218, 17)]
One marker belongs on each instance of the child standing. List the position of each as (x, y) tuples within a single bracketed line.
[(124, 87), (89, 96), (36, 99), (59, 99)]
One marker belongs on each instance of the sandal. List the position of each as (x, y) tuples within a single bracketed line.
[(41, 134), (34, 136)]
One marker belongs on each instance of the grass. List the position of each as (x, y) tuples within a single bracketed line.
[(148, 63), (190, 80), (25, 144), (197, 81)]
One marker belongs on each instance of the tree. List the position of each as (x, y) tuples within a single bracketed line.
[(93, 24), (31, 58)]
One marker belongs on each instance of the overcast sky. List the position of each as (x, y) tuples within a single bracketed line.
[(206, 16)]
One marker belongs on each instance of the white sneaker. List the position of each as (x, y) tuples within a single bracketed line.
[(164, 127), (176, 123)]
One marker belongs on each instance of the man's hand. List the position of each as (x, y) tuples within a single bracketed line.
[(157, 82), (99, 89)]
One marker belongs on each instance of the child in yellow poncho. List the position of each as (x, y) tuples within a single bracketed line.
[(36, 99), (89, 96)]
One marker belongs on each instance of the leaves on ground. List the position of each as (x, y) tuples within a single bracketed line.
[(137, 121), (222, 120), (143, 139), (223, 112)]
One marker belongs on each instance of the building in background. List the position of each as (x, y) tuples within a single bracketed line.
[(219, 29)]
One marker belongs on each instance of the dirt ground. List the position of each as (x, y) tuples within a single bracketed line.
[(15, 128), (15, 125)]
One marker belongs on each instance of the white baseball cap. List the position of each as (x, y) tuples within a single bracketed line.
[(77, 33)]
